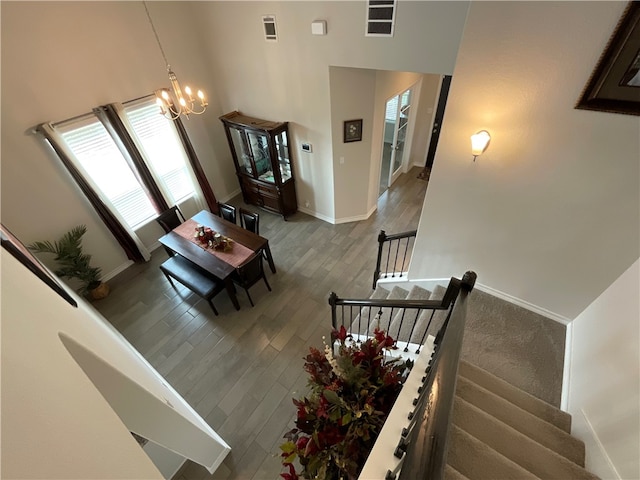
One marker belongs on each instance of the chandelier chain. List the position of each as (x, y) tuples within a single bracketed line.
[(156, 34)]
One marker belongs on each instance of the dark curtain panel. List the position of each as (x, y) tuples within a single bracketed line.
[(109, 117), (112, 223), (197, 168)]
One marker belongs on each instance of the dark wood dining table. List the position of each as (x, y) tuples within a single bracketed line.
[(211, 263)]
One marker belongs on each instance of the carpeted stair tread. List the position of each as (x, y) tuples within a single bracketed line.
[(401, 328), (524, 422), (380, 293), (512, 444), (522, 399), (451, 473), (361, 323), (478, 461), (430, 321)]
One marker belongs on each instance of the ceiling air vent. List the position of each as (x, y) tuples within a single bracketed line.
[(381, 16), (270, 32)]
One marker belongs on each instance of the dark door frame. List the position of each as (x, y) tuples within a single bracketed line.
[(437, 125)]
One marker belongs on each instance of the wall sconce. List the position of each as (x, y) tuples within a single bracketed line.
[(479, 143)]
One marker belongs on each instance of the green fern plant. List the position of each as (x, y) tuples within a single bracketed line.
[(72, 262)]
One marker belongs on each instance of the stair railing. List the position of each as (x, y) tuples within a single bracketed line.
[(393, 254), (361, 317), (423, 445)]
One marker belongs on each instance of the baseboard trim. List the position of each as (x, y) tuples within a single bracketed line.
[(356, 218), (117, 270), (337, 221), (524, 304), (566, 369), (317, 215), (595, 442), (237, 191)]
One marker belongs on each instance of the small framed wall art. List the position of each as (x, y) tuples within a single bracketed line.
[(352, 130)]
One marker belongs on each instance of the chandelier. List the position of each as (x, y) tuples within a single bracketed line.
[(176, 102)]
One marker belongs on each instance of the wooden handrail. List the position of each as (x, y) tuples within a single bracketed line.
[(448, 298)]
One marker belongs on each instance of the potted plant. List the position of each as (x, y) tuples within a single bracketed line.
[(351, 396), (73, 263)]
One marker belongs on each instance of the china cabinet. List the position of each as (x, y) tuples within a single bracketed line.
[(262, 157)]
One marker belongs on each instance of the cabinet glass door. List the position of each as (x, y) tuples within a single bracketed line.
[(282, 149), (242, 152), (259, 144)]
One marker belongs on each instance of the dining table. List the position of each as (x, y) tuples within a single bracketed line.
[(219, 263)]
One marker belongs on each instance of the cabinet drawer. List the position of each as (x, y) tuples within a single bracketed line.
[(271, 202), (268, 191), (253, 198)]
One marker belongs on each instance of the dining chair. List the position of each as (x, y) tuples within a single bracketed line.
[(250, 273), (170, 219), (250, 221), (228, 212)]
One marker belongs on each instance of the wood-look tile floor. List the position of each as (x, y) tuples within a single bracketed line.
[(240, 370)]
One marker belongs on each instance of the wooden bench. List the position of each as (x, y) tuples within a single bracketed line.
[(191, 277)]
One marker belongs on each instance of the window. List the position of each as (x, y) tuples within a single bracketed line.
[(162, 149), (109, 166), (380, 18), (102, 161)]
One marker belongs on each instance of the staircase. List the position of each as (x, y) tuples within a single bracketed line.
[(500, 431), (497, 431)]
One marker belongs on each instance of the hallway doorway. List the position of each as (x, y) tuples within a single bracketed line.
[(396, 126)]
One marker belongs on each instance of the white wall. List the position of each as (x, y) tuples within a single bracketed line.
[(290, 79), (55, 408), (550, 213), (352, 97), (55, 423), (363, 93), (604, 388)]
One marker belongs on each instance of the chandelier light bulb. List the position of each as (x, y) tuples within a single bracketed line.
[(172, 102)]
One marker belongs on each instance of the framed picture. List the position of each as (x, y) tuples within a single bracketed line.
[(21, 253), (353, 130), (614, 85)]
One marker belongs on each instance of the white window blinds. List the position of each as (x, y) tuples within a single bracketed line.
[(162, 149), (100, 158)]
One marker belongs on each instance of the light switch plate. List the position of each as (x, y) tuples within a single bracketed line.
[(319, 27)]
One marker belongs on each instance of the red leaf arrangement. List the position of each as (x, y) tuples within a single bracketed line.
[(352, 387)]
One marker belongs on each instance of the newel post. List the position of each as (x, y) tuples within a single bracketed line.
[(468, 280), (382, 237), (333, 299)]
